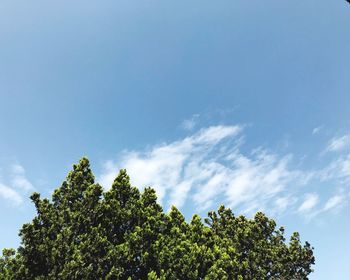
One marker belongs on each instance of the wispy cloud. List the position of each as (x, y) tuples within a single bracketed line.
[(338, 168), (208, 166), (317, 130), (18, 184), (335, 201), (282, 203), (332, 204), (10, 194), (18, 178), (190, 123), (339, 143), (175, 167), (212, 166), (309, 203)]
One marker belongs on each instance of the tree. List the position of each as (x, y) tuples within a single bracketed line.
[(86, 233)]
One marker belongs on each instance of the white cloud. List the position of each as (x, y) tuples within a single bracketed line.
[(209, 168), (17, 169), (18, 178), (10, 194), (339, 144), (309, 203), (334, 202), (206, 167), (189, 124), (108, 175), (257, 178), (18, 184), (282, 203), (345, 166), (337, 169), (175, 167), (317, 130)]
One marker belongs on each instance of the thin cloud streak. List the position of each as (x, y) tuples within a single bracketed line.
[(174, 167), (189, 124), (317, 130), (19, 180), (10, 195), (18, 185), (339, 143), (209, 168), (334, 202), (309, 203)]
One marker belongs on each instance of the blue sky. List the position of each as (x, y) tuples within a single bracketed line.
[(244, 103)]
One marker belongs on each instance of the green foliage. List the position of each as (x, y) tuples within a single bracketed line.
[(86, 233)]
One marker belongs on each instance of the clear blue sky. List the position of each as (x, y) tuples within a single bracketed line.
[(244, 103)]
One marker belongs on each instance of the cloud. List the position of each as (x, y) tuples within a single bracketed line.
[(317, 130), (339, 143), (208, 167), (18, 184), (10, 194), (174, 167), (258, 178), (19, 180), (334, 202), (108, 174), (213, 166), (338, 168), (282, 203), (309, 203), (189, 124)]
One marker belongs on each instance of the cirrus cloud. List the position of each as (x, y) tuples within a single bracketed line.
[(339, 143), (212, 167), (208, 167), (16, 186)]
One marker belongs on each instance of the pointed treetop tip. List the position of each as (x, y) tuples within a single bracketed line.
[(122, 175), (83, 162), (35, 196), (123, 171), (196, 218)]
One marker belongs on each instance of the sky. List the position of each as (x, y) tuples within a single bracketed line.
[(242, 103)]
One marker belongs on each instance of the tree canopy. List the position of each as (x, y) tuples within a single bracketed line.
[(84, 232)]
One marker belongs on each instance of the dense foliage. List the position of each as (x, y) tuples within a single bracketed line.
[(86, 233)]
